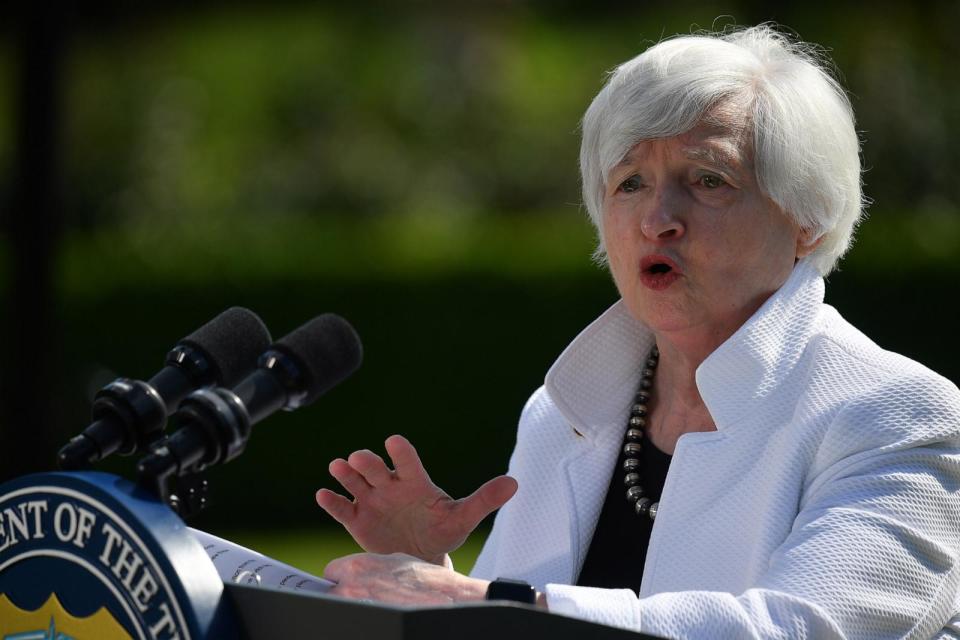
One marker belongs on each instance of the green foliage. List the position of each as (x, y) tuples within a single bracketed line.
[(270, 111), (209, 251)]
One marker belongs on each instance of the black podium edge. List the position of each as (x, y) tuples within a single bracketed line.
[(264, 613)]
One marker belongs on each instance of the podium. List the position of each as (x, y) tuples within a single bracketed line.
[(90, 555), (265, 614)]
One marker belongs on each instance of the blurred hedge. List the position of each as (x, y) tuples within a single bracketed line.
[(270, 110)]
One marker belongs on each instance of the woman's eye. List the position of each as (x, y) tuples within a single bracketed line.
[(712, 182), (631, 184)]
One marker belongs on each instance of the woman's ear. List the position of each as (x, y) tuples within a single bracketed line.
[(807, 243)]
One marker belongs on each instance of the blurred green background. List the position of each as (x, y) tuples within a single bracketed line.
[(413, 167)]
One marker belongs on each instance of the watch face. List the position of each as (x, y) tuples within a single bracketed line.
[(512, 590)]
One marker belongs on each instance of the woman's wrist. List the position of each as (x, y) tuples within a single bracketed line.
[(471, 589)]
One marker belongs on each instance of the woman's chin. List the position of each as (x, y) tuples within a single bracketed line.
[(663, 318)]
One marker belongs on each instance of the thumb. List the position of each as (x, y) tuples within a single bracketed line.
[(492, 495)]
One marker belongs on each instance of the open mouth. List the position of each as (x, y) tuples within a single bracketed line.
[(659, 268), (658, 265), (658, 272)]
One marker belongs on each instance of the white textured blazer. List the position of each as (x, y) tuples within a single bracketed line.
[(826, 504)]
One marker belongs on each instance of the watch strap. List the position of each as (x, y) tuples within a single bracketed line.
[(512, 590)]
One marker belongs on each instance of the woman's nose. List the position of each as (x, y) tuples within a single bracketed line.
[(663, 220)]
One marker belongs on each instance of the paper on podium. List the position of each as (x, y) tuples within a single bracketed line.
[(245, 566)]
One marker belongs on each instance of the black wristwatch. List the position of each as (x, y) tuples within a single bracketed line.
[(513, 590)]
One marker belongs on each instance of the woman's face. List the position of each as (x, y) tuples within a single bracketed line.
[(694, 246)]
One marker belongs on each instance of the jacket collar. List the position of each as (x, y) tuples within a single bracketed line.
[(595, 378)]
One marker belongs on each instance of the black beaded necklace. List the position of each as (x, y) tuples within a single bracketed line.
[(642, 504)]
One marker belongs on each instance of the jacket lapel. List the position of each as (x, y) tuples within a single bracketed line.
[(592, 383), (587, 476)]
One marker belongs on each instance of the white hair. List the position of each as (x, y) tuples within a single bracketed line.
[(806, 149)]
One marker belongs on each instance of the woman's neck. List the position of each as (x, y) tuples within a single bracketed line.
[(676, 407)]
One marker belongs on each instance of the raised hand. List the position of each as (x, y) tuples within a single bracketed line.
[(401, 510)]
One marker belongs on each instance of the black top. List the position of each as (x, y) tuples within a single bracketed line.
[(619, 545)]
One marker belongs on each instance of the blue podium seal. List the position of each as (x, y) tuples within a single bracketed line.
[(90, 555)]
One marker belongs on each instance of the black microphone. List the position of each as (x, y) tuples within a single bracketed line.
[(293, 372), (129, 415)]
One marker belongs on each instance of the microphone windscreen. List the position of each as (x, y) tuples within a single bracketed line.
[(232, 343), (327, 350)]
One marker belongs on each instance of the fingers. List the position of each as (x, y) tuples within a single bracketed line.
[(350, 478), (339, 508), (364, 469), (488, 498), (405, 459), (341, 568), (350, 567), (371, 466)]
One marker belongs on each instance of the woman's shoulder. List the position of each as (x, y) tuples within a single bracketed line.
[(879, 395), (841, 349)]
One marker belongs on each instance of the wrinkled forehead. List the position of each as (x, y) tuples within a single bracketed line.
[(649, 116), (721, 137), (729, 119)]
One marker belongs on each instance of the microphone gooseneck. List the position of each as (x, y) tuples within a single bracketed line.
[(291, 373), (129, 415)]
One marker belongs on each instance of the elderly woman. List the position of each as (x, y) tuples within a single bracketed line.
[(720, 442)]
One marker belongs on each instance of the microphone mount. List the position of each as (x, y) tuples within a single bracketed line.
[(216, 422), (134, 406), (216, 428), (130, 415)]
